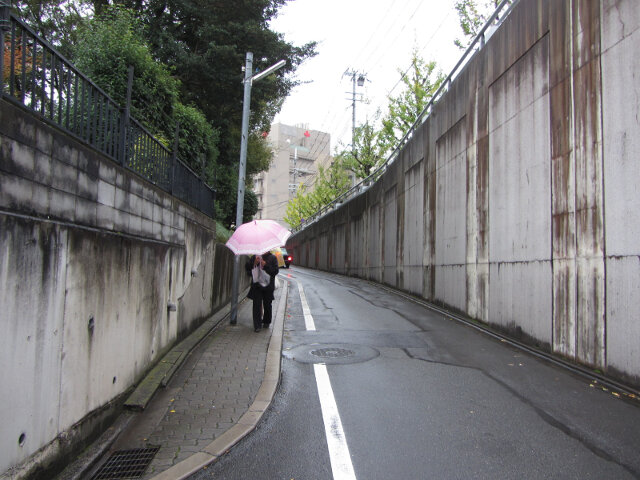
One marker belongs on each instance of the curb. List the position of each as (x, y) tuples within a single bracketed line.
[(248, 422)]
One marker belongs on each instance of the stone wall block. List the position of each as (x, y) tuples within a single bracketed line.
[(64, 177), (16, 193), (87, 186), (17, 159), (106, 193), (135, 203), (64, 152), (147, 209), (86, 211), (105, 216), (157, 214), (122, 200), (121, 221), (147, 227), (136, 186), (42, 169), (44, 141), (107, 172), (135, 224), (62, 205)]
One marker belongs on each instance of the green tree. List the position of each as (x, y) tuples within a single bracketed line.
[(370, 146), (330, 183), (258, 159), (197, 140), (205, 43), (299, 208), (472, 16), (421, 81), (55, 21), (367, 152), (107, 45)]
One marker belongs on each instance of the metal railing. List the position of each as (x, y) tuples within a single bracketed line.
[(476, 45), (34, 75)]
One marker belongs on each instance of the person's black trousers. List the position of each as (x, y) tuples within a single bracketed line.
[(266, 318), (257, 309)]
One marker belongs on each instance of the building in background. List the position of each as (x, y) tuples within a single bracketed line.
[(297, 154)]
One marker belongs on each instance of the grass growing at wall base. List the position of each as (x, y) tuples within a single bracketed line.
[(222, 233)]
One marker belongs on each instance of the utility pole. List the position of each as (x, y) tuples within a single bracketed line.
[(359, 78), (249, 78), (295, 167)]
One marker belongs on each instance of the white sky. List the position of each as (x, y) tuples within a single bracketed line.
[(375, 37)]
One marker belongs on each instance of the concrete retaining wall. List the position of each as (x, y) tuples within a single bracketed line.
[(91, 257), (516, 202)]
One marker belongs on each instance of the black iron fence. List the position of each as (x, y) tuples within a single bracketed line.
[(37, 77)]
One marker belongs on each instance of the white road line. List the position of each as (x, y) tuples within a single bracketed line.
[(336, 441), (308, 319), (338, 448)]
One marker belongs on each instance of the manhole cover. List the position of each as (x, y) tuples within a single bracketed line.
[(125, 464), (332, 352)]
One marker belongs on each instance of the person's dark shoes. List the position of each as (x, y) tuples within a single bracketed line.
[(266, 325), (257, 329)]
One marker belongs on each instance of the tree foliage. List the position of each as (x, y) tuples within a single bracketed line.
[(110, 43), (371, 145), (421, 81), (298, 209), (205, 43), (197, 141), (472, 15), (330, 184), (55, 21), (367, 152)]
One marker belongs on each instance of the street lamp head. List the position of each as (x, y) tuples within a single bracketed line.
[(361, 80), (269, 70)]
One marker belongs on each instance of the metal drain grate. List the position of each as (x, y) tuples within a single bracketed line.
[(332, 352), (125, 464)]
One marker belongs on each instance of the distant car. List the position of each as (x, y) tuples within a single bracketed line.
[(287, 258), (279, 257)]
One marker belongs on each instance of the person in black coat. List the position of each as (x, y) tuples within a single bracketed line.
[(262, 294)]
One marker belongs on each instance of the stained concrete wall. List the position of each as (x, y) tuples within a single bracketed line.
[(516, 202), (90, 258)]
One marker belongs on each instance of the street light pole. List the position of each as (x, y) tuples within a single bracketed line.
[(246, 102), (246, 105)]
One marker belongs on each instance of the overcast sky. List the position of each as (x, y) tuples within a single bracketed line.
[(374, 37)]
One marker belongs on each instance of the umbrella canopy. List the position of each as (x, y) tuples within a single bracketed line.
[(257, 237)]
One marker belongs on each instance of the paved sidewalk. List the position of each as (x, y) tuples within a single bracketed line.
[(215, 398)]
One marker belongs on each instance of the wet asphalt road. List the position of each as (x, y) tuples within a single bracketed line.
[(423, 396)]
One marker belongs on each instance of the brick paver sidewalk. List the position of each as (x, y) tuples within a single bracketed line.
[(211, 392)]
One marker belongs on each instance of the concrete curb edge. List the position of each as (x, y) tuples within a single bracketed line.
[(250, 419)]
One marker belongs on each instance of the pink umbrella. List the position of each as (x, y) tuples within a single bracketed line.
[(257, 237)]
